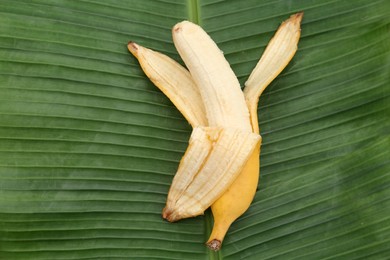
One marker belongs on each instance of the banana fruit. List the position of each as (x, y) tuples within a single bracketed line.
[(220, 167)]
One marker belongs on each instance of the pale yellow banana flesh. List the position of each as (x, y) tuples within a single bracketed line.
[(174, 81), (236, 200), (195, 188), (219, 87)]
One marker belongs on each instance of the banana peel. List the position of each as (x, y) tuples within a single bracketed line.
[(220, 167), (174, 81)]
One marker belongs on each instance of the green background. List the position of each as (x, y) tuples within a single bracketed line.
[(88, 146)]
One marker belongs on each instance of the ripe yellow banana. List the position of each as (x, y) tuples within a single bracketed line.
[(225, 146)]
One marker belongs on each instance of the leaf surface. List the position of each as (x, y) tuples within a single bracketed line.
[(88, 146)]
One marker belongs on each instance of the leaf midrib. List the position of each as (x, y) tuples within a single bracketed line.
[(194, 11), (194, 15)]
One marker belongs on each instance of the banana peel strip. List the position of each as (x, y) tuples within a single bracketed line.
[(278, 53), (174, 81)]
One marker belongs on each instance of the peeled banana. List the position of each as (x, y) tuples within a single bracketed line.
[(221, 165), (226, 113)]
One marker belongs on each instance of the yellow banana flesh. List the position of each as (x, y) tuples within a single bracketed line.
[(236, 200)]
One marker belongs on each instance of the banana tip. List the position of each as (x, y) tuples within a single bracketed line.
[(214, 244), (297, 17), (169, 215), (185, 26), (177, 28), (132, 47)]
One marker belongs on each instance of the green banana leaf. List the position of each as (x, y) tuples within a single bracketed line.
[(88, 146)]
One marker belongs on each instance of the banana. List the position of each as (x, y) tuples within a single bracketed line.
[(222, 145), (215, 155), (226, 113), (236, 200)]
